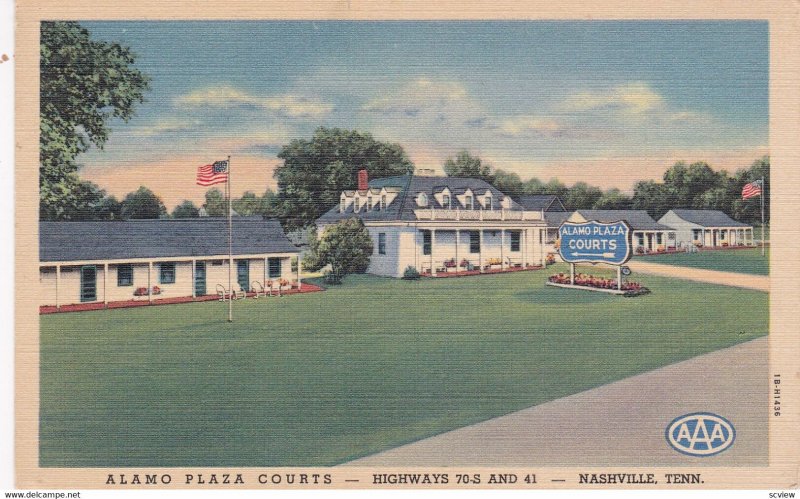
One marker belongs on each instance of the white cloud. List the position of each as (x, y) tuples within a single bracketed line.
[(428, 101), (294, 106), (636, 100), (631, 98), (516, 126)]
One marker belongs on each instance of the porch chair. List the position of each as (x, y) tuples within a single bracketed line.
[(241, 294), (222, 293), (258, 289)]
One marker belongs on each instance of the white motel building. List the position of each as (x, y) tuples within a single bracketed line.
[(440, 224), (102, 262), (707, 228)]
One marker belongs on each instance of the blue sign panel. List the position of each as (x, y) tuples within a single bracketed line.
[(595, 242)]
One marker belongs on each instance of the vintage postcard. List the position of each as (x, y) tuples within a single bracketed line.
[(374, 245)]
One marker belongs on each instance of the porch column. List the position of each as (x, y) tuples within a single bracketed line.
[(194, 279), (542, 237), (458, 262), (150, 282), (480, 249), (58, 283), (524, 236), (433, 236), (299, 263), (265, 273), (502, 243), (105, 285)]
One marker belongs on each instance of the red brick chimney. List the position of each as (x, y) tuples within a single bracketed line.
[(363, 180)]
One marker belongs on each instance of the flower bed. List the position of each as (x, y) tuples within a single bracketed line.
[(590, 281)]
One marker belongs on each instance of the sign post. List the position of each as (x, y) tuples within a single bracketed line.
[(595, 242)]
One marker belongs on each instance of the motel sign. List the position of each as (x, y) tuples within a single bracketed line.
[(595, 242)]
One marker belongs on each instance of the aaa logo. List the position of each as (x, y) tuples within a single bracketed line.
[(700, 434)]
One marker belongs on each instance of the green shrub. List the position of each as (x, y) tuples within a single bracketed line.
[(411, 273)]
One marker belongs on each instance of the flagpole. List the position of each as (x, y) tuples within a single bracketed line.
[(230, 246), (763, 193)]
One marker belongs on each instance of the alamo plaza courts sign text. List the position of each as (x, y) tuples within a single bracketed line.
[(595, 242)]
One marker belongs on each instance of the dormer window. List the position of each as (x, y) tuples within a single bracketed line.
[(369, 203), (383, 202), (468, 202), (446, 201), (355, 205), (341, 206), (488, 202), (422, 199)]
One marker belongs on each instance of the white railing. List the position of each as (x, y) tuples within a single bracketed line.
[(478, 215)]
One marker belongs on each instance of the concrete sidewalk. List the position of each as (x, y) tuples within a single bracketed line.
[(748, 281), (619, 424)]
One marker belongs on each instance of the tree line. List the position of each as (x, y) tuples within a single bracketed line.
[(693, 186)]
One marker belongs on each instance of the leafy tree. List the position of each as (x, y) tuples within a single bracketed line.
[(534, 186), (110, 208), (613, 199), (651, 196), (76, 199), (467, 165), (315, 171), (582, 196), (700, 178), (143, 204), (216, 204), (716, 198), (186, 209), (269, 204), (508, 183), (84, 84), (555, 187), (345, 246), (247, 205)]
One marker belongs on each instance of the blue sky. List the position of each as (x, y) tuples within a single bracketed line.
[(601, 101)]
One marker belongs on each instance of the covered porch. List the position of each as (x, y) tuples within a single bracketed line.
[(107, 284), (722, 237), (654, 241), (454, 251)]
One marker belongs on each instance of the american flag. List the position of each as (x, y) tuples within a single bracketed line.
[(751, 190), (213, 174)]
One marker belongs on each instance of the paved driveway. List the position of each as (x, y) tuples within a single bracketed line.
[(621, 423), (749, 281)]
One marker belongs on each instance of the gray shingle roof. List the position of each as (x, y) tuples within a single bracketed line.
[(556, 218), (547, 202), (403, 206), (708, 218), (89, 241), (637, 219)]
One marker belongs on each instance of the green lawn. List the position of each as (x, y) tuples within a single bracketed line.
[(747, 261), (322, 378)]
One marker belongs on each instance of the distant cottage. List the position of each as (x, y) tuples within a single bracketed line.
[(707, 228)]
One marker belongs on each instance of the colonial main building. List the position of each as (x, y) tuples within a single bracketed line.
[(441, 224)]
